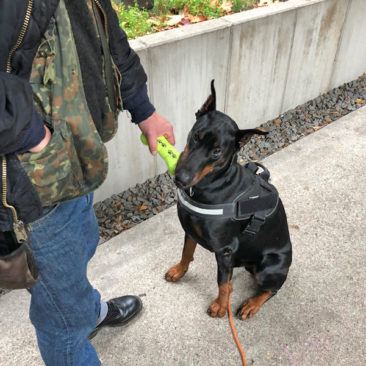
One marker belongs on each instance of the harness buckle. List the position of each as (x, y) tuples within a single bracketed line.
[(255, 224)]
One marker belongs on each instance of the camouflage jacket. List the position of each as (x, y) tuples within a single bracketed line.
[(74, 163)]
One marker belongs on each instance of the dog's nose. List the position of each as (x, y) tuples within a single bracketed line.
[(182, 178)]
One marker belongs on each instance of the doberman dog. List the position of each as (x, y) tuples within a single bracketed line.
[(230, 210)]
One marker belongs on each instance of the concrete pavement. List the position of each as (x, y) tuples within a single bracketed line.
[(318, 317)]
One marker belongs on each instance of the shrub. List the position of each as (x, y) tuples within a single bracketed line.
[(138, 22)]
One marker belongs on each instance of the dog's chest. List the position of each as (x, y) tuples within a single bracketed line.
[(211, 233)]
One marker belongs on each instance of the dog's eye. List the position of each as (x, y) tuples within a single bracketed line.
[(216, 153), (195, 136)]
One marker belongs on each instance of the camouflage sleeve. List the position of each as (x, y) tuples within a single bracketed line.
[(125, 58), (16, 108)]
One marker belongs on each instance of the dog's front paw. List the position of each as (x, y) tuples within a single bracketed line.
[(248, 309), (175, 273), (252, 306), (217, 309)]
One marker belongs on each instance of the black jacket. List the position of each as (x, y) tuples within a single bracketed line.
[(16, 98)]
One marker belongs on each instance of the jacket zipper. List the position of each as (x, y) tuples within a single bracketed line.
[(105, 18), (105, 26), (4, 184), (21, 35), (18, 225)]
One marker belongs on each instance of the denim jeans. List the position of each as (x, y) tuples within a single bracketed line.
[(64, 306)]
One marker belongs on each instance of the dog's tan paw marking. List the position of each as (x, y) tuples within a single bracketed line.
[(175, 273), (252, 306), (216, 309), (249, 309)]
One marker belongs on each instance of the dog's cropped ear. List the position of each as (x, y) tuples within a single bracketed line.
[(210, 104), (243, 136)]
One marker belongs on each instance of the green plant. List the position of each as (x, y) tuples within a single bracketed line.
[(165, 6), (137, 22), (239, 5), (133, 20), (205, 7)]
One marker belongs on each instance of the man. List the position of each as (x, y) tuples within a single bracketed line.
[(61, 65)]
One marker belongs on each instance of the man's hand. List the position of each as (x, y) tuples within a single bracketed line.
[(43, 143), (154, 127)]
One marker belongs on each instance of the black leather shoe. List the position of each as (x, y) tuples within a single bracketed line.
[(120, 311)]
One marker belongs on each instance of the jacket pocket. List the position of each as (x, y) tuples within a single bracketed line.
[(43, 73), (55, 172)]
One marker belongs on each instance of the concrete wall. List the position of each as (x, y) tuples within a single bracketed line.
[(264, 62)]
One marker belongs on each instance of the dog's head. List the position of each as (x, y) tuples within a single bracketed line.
[(211, 144)]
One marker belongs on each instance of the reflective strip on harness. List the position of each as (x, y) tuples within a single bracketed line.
[(202, 211)]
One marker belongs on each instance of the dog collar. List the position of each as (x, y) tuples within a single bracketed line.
[(260, 199)]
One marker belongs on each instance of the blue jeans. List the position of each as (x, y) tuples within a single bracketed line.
[(64, 306)]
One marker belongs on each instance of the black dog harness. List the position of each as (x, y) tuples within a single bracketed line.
[(256, 203)]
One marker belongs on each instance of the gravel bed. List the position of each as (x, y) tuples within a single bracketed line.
[(306, 118), (127, 209)]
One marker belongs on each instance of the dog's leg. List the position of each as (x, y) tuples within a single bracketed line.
[(271, 273), (178, 271), (219, 306)]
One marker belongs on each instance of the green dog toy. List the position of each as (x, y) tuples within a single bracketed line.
[(166, 151)]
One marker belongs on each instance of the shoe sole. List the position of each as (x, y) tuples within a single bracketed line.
[(125, 322)]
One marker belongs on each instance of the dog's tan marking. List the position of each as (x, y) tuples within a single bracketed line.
[(178, 271), (219, 306), (182, 157), (198, 230), (252, 306), (207, 169), (202, 136), (216, 144)]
